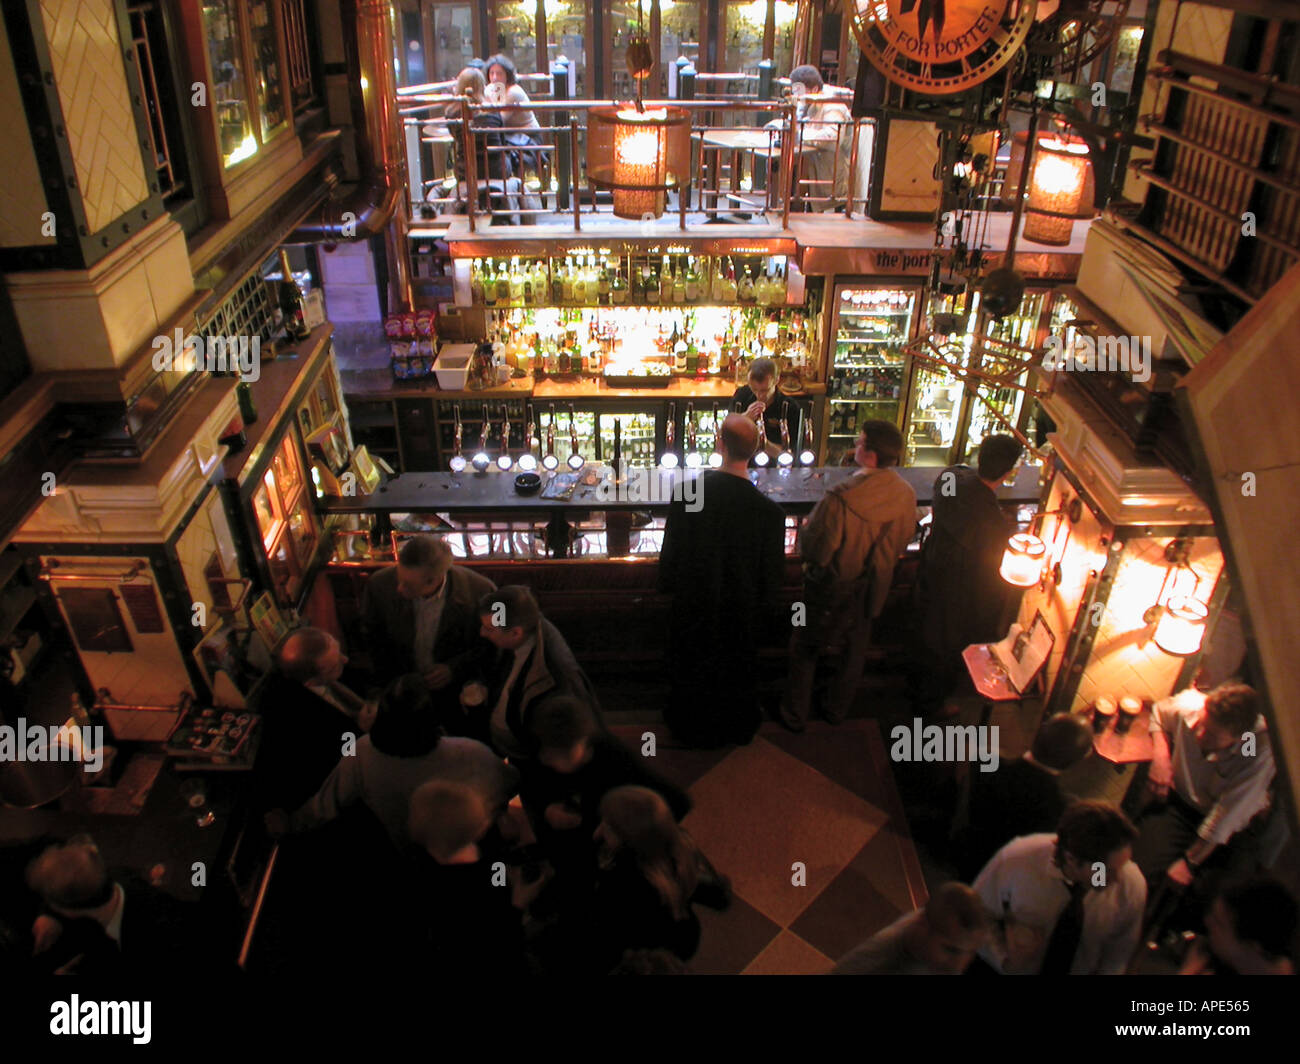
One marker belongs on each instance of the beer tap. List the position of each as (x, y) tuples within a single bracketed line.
[(808, 452), (693, 459), (527, 460), (481, 460), (786, 458), (761, 457), (504, 461), (457, 462), (715, 459), (549, 461), (575, 458), (669, 458)]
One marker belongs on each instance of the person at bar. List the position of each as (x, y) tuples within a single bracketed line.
[(850, 546), (100, 925), (762, 398), (1211, 774), (421, 616), (405, 748), (306, 712), (1068, 903), (524, 662), (823, 141), (1024, 796), (722, 564), (940, 938), (961, 596), (1250, 930)]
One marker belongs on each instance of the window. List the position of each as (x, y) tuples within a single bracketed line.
[(168, 161), (302, 89), (249, 92)]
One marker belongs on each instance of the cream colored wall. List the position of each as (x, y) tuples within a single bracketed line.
[(154, 673), (22, 198), (207, 534), (1201, 31), (86, 53)]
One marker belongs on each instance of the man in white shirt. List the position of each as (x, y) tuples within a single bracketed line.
[(1212, 769), (1069, 903)]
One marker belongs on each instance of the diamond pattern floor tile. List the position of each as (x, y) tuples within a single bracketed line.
[(787, 954), (760, 810)]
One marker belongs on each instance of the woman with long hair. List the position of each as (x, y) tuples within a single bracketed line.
[(520, 123), (492, 163)]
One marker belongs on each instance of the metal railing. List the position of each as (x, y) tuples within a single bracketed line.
[(742, 170)]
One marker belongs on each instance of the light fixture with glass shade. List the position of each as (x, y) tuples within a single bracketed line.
[(1182, 626), (1056, 190), (639, 154), (1022, 561)]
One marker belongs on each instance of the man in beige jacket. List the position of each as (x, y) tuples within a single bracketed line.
[(850, 546)]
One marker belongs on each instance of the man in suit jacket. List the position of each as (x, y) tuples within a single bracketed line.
[(306, 710), (722, 562), (961, 595), (422, 616), (98, 926), (523, 662)]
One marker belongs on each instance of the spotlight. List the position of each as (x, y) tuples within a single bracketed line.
[(807, 458), (550, 462), (693, 460), (505, 462), (785, 459), (669, 460), (481, 461), (715, 460), (457, 463), (575, 461), (527, 462)]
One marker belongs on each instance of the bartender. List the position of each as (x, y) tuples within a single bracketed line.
[(761, 398)]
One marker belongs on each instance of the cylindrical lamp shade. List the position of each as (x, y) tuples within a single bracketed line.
[(1022, 561), (1182, 626), (638, 155), (1056, 187), (1016, 165)]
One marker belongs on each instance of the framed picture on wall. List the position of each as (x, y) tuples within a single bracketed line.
[(267, 620)]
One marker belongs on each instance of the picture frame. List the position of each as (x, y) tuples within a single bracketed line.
[(267, 620), (364, 469)]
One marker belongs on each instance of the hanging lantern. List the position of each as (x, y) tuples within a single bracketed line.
[(639, 155), (1016, 165), (1022, 561), (1056, 188), (1182, 626)]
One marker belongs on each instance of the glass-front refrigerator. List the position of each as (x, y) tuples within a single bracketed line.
[(867, 377), (640, 433), (1010, 345)]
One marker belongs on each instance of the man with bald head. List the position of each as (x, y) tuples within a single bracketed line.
[(306, 711), (722, 562)]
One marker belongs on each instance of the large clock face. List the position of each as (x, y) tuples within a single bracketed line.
[(941, 46)]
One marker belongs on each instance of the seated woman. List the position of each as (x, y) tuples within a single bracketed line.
[(520, 122), (490, 165)]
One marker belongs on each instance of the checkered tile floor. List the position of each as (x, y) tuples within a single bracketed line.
[(824, 803)]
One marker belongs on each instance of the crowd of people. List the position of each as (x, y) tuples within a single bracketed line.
[(461, 801)]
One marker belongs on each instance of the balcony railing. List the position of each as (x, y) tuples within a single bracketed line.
[(743, 166)]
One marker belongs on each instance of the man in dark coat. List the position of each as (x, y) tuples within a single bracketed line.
[(422, 616), (961, 595), (722, 562)]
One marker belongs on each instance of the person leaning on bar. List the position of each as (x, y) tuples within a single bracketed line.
[(762, 398), (422, 616)]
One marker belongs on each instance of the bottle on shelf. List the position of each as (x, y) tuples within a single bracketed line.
[(745, 291), (729, 287), (679, 284), (665, 284), (651, 285), (476, 283), (692, 282), (618, 290)]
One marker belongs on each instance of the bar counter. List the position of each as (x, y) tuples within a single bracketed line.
[(796, 490)]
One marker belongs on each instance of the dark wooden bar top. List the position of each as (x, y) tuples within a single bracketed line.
[(796, 490)]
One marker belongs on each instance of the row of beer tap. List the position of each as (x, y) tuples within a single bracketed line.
[(694, 457)]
